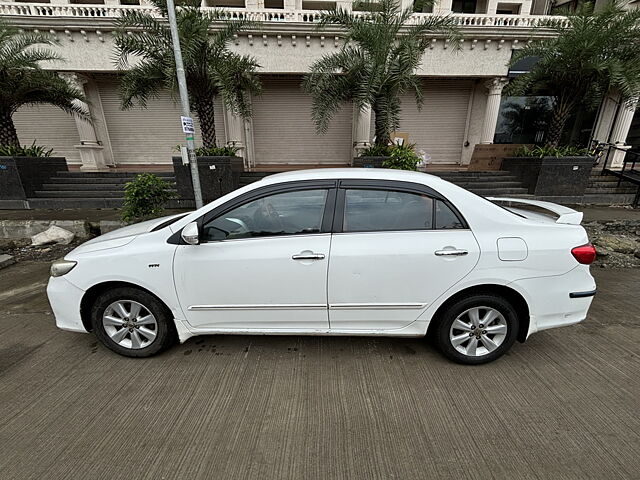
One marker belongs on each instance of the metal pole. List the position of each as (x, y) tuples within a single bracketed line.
[(184, 101)]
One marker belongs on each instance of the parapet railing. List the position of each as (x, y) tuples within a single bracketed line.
[(262, 15)]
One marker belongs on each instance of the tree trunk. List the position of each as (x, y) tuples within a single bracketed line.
[(8, 134), (205, 110), (560, 115), (383, 135)]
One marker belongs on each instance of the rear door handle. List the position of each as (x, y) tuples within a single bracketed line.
[(451, 253), (308, 256)]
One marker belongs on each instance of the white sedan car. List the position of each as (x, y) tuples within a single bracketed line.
[(334, 252)]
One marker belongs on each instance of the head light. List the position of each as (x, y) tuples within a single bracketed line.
[(62, 267)]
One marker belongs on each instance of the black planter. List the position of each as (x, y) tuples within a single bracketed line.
[(563, 178), (218, 176), (20, 177), (369, 162)]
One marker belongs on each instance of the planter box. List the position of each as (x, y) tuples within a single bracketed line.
[(369, 162), (20, 177), (218, 176), (564, 177)]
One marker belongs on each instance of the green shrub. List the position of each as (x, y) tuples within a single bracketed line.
[(402, 157), (227, 151), (568, 151), (25, 151), (145, 197)]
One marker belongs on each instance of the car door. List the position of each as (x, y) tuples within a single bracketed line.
[(397, 247), (262, 261)]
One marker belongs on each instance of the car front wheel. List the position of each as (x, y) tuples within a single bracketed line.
[(477, 329), (132, 322)]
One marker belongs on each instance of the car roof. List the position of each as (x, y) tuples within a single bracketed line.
[(351, 173)]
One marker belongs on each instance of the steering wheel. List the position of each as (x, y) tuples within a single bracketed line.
[(267, 219)]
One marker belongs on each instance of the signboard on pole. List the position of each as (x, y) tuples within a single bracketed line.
[(187, 125)]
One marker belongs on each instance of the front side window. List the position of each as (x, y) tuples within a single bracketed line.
[(289, 213)]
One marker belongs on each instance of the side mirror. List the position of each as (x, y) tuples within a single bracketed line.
[(190, 233)]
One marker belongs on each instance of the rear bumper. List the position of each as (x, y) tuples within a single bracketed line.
[(558, 301), (65, 299)]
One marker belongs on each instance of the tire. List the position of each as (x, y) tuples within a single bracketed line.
[(150, 331), (491, 341)]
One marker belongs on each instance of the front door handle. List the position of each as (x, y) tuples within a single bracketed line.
[(308, 256), (451, 253)]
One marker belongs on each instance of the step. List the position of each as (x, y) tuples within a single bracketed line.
[(498, 192), (82, 194), (609, 198), (86, 186), (110, 174), (58, 203), (473, 184), (481, 179), (95, 181), (610, 191)]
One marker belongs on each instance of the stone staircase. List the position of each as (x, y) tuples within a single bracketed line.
[(603, 189), (87, 189), (495, 183)]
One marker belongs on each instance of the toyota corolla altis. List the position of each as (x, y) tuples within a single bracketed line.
[(334, 252)]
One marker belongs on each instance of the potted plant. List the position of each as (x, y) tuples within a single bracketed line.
[(552, 171), (219, 168), (23, 170)]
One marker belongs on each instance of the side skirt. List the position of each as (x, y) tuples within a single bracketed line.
[(416, 329)]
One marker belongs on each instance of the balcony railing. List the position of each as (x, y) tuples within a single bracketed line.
[(261, 15)]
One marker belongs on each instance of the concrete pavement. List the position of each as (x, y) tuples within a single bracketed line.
[(563, 405)]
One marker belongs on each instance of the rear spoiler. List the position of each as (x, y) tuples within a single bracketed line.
[(565, 214)]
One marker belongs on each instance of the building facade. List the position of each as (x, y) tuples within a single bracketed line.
[(462, 88)]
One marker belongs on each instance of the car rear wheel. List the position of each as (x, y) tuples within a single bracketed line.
[(132, 322), (477, 329)]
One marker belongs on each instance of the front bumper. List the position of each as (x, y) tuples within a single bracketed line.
[(65, 299)]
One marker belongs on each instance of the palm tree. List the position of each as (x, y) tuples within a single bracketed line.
[(211, 68), (593, 53), (24, 82), (375, 66)]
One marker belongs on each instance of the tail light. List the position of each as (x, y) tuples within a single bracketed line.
[(584, 254)]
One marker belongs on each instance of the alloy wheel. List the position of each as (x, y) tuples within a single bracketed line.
[(478, 331), (130, 324)]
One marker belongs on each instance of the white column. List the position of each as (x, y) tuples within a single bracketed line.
[(246, 125), (406, 4), (606, 117), (495, 86), (620, 131), (234, 131), (91, 152), (361, 132)]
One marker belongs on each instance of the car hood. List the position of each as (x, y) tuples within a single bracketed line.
[(121, 236)]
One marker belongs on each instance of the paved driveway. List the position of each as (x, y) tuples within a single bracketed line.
[(563, 405)]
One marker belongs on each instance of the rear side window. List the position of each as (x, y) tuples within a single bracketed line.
[(446, 218), (384, 210), (393, 210)]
